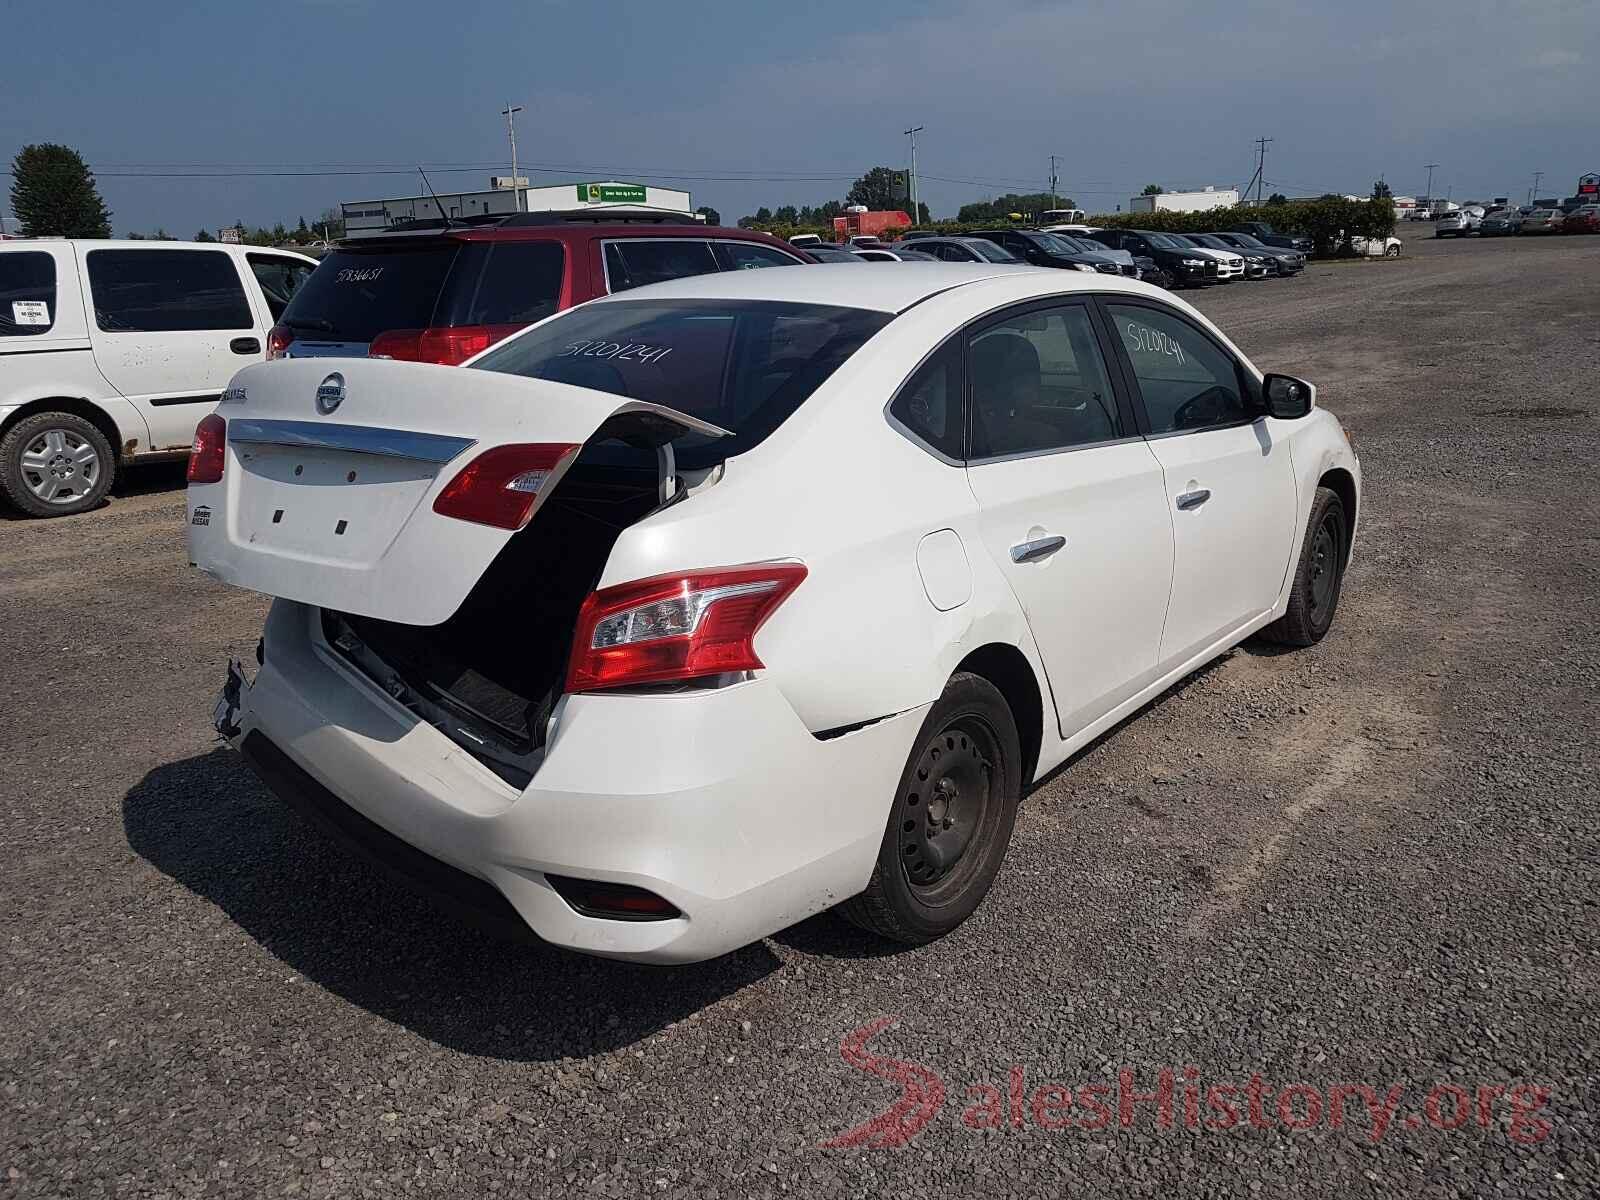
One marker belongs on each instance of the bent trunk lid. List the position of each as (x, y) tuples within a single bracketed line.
[(330, 477)]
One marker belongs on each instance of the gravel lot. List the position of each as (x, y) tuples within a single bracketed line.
[(1371, 862)]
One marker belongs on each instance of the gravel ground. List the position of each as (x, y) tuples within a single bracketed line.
[(1374, 862)]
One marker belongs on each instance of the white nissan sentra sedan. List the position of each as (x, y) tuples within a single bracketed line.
[(694, 611)]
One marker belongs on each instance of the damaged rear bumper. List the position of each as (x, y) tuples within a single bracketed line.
[(719, 801)]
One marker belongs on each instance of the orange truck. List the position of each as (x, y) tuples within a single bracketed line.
[(864, 223)]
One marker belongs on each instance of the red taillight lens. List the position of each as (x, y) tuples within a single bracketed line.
[(447, 345), (209, 452), (675, 627), (278, 339), (502, 486)]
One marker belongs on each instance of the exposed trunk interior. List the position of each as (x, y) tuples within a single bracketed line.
[(489, 676)]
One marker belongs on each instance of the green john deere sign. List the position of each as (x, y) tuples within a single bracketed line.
[(611, 193)]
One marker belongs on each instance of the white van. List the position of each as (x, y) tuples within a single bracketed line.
[(111, 352)]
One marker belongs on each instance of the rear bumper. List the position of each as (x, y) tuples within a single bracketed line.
[(720, 801)]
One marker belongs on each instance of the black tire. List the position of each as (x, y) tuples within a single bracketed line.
[(51, 451), (1318, 576), (962, 783)]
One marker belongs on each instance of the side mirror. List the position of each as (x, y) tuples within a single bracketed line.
[(1288, 398)]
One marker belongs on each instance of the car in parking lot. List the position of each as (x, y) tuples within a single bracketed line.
[(1231, 264), (1290, 262), (441, 291), (1503, 223), (1187, 267), (892, 254), (552, 635), (1461, 223), (1047, 250), (963, 249), (109, 349), (1582, 220), (826, 253), (1264, 232), (1543, 220)]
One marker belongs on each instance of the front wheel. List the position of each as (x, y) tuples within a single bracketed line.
[(54, 464), (1391, 251), (1318, 576), (951, 819)]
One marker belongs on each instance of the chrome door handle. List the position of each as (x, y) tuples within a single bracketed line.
[(1193, 499), (1036, 549)]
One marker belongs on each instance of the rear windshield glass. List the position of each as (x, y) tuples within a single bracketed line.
[(743, 365), (27, 293), (357, 294)]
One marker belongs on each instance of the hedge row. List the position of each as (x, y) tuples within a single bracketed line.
[(1328, 223)]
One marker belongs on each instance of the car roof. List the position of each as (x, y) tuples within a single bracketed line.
[(881, 291), (142, 244)]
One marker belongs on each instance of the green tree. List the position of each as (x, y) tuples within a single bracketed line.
[(53, 194), (924, 217), (712, 216), (787, 215), (1277, 198), (203, 235), (1152, 189), (763, 215), (1382, 191), (875, 189)]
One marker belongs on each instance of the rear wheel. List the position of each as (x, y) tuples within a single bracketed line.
[(54, 464), (1318, 576), (951, 819)]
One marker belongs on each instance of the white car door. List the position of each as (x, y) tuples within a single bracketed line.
[(1229, 477), (1073, 507), (171, 325)]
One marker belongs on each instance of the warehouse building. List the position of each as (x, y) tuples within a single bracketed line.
[(503, 197)]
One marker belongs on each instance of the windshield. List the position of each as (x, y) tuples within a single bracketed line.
[(1253, 242), (1163, 240), (1051, 243), (1181, 241), (745, 365)]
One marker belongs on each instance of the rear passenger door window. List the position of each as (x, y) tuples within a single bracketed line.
[(27, 293), (503, 283), (1186, 381), (167, 291), (638, 262), (1038, 382), (745, 256)]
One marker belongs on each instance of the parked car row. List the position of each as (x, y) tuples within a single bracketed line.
[(1506, 221)]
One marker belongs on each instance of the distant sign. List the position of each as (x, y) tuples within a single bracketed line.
[(611, 193), (231, 235)]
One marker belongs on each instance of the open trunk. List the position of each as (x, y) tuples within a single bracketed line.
[(378, 493), (489, 676)]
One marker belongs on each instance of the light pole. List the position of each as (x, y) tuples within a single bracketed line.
[(1429, 193), (916, 212), (1533, 192), (509, 112)]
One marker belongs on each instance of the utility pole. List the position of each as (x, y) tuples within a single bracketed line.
[(1261, 166), (1429, 192), (509, 112), (916, 211), (1533, 192), (1052, 181)]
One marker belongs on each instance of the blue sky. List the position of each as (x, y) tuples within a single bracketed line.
[(748, 104)]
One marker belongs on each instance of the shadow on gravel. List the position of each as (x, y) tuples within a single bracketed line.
[(209, 824)]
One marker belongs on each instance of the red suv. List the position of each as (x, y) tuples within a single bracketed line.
[(436, 292)]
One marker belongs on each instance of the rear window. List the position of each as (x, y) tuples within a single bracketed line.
[(357, 294), (743, 365), (167, 291), (27, 293)]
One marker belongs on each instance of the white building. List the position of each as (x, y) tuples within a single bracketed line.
[(367, 215), (1210, 198)]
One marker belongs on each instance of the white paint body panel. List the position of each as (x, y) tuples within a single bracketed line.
[(701, 807), (130, 378)]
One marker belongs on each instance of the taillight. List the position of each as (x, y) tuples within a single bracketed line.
[(501, 486), (278, 339), (447, 345), (208, 454), (675, 627)]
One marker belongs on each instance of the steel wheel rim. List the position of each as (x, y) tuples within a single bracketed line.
[(60, 466), (945, 808), (1324, 565)]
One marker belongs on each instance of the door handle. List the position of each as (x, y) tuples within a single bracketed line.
[(1193, 499), (1032, 551), (245, 346)]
